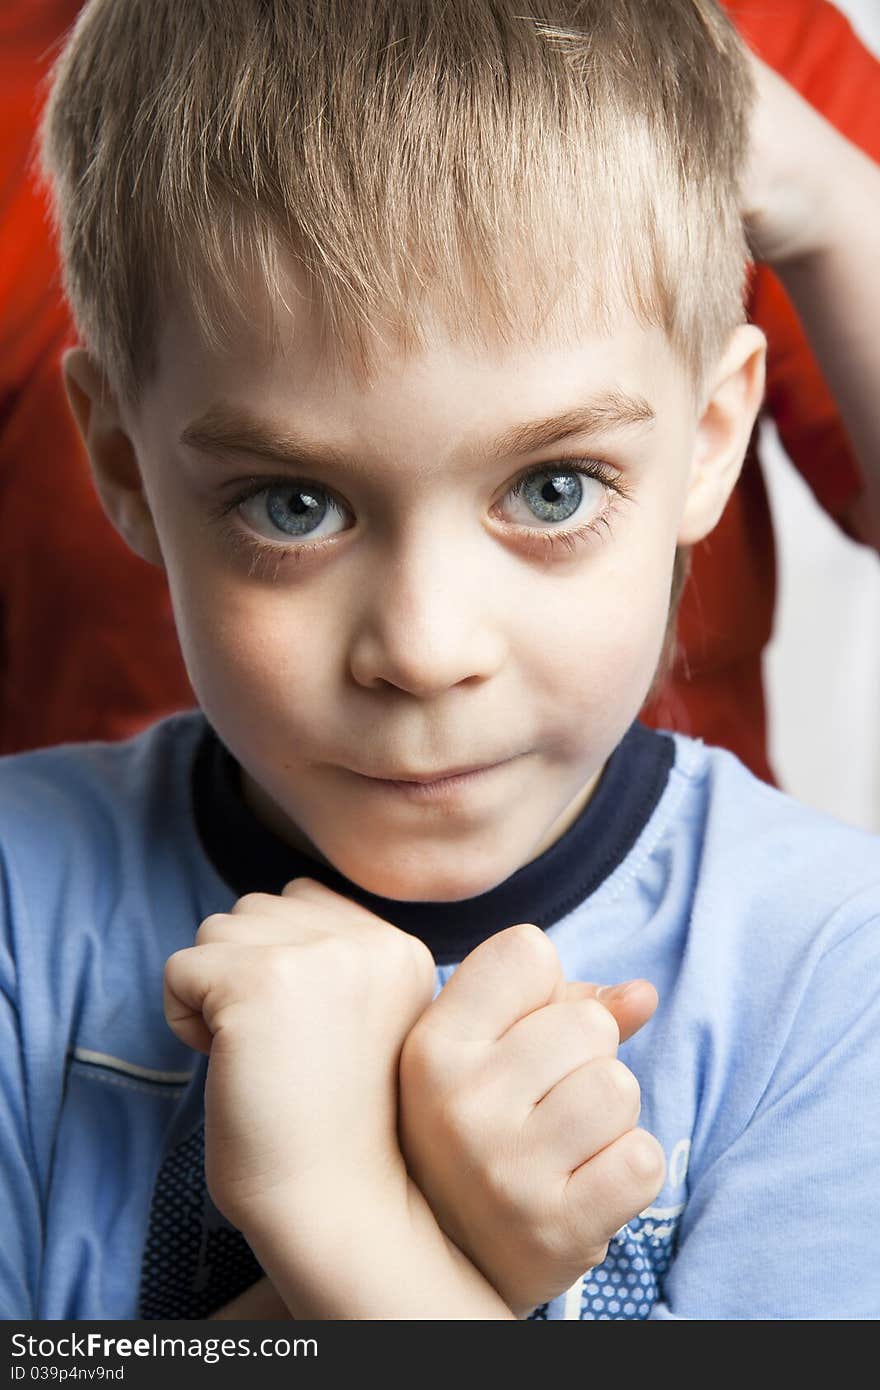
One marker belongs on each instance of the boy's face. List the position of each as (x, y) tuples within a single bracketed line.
[(407, 617)]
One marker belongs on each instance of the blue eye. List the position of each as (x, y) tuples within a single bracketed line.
[(553, 495), (294, 509)]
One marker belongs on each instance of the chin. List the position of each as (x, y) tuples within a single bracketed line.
[(425, 882)]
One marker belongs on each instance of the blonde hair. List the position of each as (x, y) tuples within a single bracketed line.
[(459, 152)]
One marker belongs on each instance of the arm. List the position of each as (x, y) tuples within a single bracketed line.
[(302, 1002), (527, 979), (813, 213), (782, 1222), (409, 1270), (363, 1255)]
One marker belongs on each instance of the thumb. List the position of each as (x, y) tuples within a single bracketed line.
[(506, 977), (631, 1003)]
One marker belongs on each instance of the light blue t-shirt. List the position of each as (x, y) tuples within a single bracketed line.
[(757, 920)]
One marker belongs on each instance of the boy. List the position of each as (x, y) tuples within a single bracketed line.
[(363, 294)]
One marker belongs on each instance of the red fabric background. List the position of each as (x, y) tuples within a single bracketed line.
[(87, 644)]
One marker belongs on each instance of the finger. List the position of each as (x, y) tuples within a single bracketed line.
[(304, 887), (200, 981), (336, 906), (187, 977), (504, 978), (260, 904), (255, 919), (613, 1187), (539, 1050), (263, 928), (632, 1003), (295, 917), (582, 1114)]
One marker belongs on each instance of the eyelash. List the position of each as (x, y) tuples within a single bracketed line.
[(266, 558), (549, 543)]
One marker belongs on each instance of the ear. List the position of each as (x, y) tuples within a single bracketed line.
[(112, 456), (734, 395)]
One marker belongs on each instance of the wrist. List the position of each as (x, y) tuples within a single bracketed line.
[(373, 1253), (325, 1204)]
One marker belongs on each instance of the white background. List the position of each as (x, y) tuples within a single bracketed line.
[(822, 669)]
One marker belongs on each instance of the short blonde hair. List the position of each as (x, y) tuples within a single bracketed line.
[(498, 164)]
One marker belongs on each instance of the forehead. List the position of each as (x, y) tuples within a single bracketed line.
[(276, 363)]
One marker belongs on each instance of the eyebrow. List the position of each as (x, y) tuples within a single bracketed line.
[(221, 430)]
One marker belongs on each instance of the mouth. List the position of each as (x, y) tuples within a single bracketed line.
[(426, 785)]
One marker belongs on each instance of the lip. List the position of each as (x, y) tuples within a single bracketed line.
[(429, 778), (422, 788)]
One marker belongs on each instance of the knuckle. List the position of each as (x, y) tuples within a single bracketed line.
[(464, 1122), (422, 1054), (213, 928), (528, 941), (529, 934), (175, 963), (306, 888), (598, 1023), (620, 1085), (342, 956), (527, 950), (428, 1071), (390, 950), (646, 1160), (627, 1085), (419, 961), (251, 902), (277, 967)]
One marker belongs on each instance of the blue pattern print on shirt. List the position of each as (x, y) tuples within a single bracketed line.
[(629, 1280)]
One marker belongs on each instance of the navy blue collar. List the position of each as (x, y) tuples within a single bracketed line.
[(251, 858)]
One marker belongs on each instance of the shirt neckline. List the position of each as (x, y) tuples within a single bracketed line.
[(250, 858)]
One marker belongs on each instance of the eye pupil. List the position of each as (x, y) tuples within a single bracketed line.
[(290, 507), (301, 502), (553, 497)]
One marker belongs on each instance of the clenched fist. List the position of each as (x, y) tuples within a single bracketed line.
[(302, 1003), (517, 1120)]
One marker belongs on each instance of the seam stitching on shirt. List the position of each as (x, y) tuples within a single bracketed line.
[(127, 1083)]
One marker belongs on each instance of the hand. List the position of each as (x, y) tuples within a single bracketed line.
[(517, 1121), (302, 1003), (795, 158), (811, 201)]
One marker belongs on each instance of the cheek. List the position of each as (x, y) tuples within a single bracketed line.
[(235, 633), (600, 666), (254, 652)]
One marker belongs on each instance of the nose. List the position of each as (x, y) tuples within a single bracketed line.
[(429, 620)]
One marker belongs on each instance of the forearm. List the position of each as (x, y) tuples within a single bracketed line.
[(369, 1259), (836, 291), (811, 205)]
